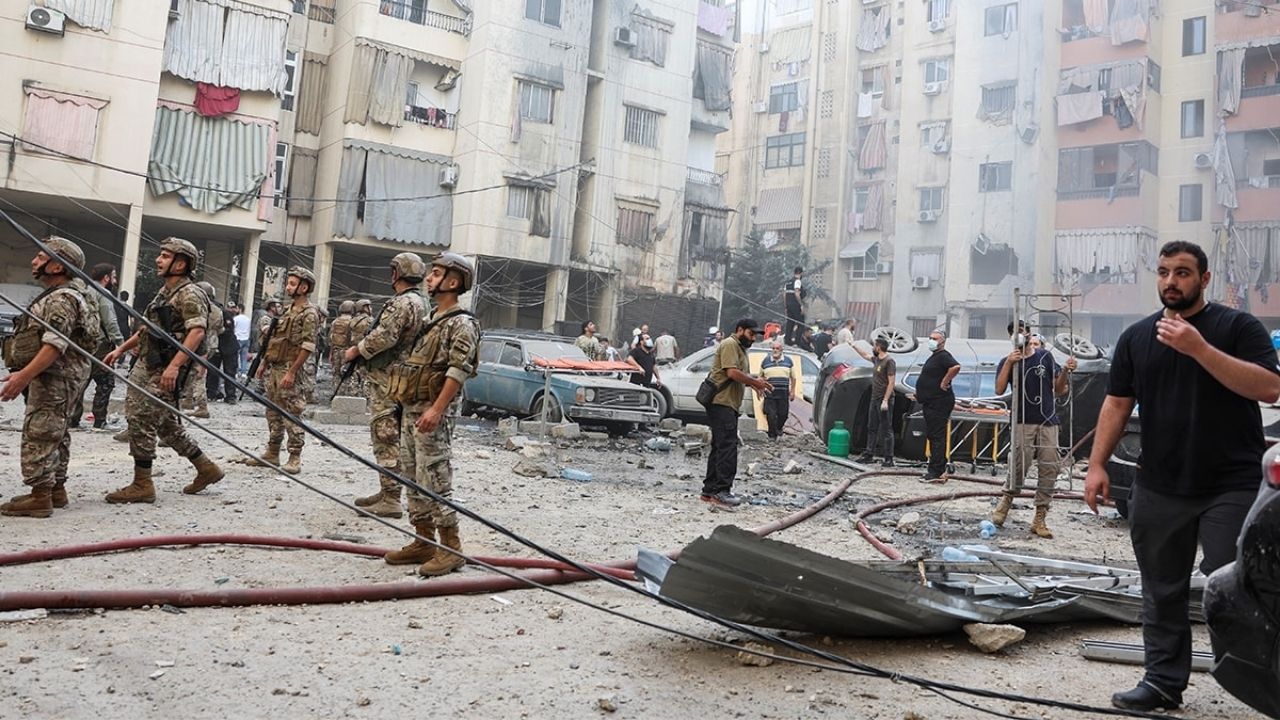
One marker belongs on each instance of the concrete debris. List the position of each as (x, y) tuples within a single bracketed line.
[(20, 615), (607, 704), (482, 455), (508, 426), (332, 417), (700, 433), (670, 424), (566, 431), (531, 468), (595, 436), (534, 427), (909, 522), (751, 659), (694, 448), (516, 442), (349, 405), (792, 468), (752, 468), (555, 613), (993, 638), (535, 451), (157, 674)]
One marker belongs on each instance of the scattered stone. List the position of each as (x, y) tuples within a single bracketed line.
[(482, 455), (363, 701), (508, 427), (751, 469), (607, 704), (993, 638), (26, 659), (157, 674), (415, 624), (566, 431), (534, 450), (700, 433), (595, 436), (164, 663), (884, 536), (555, 613), (670, 424), (516, 442), (534, 427), (792, 468), (750, 659), (20, 615), (349, 405), (909, 522), (530, 468)]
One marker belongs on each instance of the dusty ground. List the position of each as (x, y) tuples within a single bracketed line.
[(534, 655)]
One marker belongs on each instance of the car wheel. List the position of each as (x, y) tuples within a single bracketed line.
[(1076, 346), (900, 341), (666, 408), (468, 408), (554, 412)]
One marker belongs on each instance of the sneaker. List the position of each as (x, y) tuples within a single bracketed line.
[(1146, 697), (888, 462), (723, 500), (864, 458)]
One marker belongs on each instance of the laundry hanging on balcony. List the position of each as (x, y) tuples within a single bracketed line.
[(873, 33), (652, 37), (1130, 20), (402, 199), (228, 43), (1078, 108), (93, 14), (211, 163), (212, 101), (1230, 75), (315, 70), (875, 150), (1223, 173), (714, 19), (712, 75), (1102, 251)]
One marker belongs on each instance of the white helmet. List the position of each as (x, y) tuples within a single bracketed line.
[(713, 330)]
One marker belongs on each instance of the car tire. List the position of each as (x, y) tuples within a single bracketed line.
[(900, 341), (468, 408), (668, 407), (555, 413)]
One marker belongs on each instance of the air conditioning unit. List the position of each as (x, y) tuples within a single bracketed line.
[(1204, 161), (1029, 133), (928, 216), (942, 147), (920, 282), (981, 244), (937, 25), (761, 106), (884, 267), (624, 36), (42, 19), (449, 176), (933, 88)]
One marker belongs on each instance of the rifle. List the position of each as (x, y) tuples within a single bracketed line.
[(347, 371), (262, 350)]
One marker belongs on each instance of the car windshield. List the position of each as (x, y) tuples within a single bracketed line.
[(965, 385), (553, 350)]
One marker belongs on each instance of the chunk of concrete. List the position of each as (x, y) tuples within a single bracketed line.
[(516, 442), (909, 522), (699, 433), (595, 436), (566, 431), (508, 427), (535, 450), (670, 424), (751, 658), (349, 404), (792, 468), (994, 638), (534, 427), (531, 468)]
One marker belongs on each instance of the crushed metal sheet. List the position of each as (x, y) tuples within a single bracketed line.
[(1131, 654)]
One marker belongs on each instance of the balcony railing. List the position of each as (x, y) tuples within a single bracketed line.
[(322, 11), (417, 12), (1099, 193), (1260, 91), (431, 117), (704, 177)]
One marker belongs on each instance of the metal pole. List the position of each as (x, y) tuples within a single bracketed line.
[(1015, 380)]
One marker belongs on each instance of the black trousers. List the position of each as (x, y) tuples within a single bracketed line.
[(880, 428), (795, 321), (936, 415), (230, 366), (776, 409), (1165, 530), (212, 380), (104, 382), (722, 461)]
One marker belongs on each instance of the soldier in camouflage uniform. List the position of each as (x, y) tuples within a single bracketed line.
[(43, 364), (360, 324), (429, 387), (288, 374), (181, 310), (195, 394), (340, 334), (389, 341)]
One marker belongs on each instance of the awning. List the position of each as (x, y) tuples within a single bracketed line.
[(418, 55), (790, 45), (856, 249), (779, 208)]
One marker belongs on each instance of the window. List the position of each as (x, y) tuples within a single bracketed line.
[(520, 201), (281, 165), (546, 12), (860, 196), (863, 267), (634, 226), (873, 80), (290, 79), (784, 151), (536, 102), (1153, 75), (933, 135), (938, 9), (322, 11), (926, 263), (1271, 168), (1193, 36), (490, 351), (1193, 118), (414, 11), (512, 355), (998, 101), (931, 199), (1190, 202), (1001, 19), (937, 71), (995, 176), (784, 98), (641, 127), (300, 7)]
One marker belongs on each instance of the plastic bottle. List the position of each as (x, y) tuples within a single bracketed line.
[(951, 554), (987, 529), (658, 443), (838, 440), (575, 474)]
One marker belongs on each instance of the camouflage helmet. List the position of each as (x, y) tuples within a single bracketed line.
[(303, 274), (207, 287), (363, 303), (454, 261), (346, 308), (410, 266), (178, 246), (65, 251), (272, 300)]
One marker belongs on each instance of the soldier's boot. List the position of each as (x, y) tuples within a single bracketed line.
[(416, 552), (59, 494), (272, 455), (368, 500), (1037, 525), (295, 462), (38, 504), (122, 436), (1001, 513), (207, 473), (388, 504), (201, 412), (445, 562), (141, 490)]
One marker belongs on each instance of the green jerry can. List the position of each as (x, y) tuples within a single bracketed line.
[(838, 440)]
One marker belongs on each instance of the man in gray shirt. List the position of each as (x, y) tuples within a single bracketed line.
[(665, 348), (103, 380)]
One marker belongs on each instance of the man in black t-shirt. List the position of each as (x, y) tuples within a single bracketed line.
[(884, 373), (1196, 371), (937, 400), (821, 343), (794, 305)]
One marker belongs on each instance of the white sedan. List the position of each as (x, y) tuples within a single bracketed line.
[(680, 380)]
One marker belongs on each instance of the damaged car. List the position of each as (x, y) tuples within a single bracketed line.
[(680, 380), (525, 374)]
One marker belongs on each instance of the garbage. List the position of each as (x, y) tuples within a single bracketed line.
[(575, 474), (951, 554), (660, 444), (987, 529)]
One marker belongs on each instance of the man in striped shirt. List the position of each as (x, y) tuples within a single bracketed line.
[(779, 370)]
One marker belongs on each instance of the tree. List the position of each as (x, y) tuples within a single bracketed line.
[(757, 277)]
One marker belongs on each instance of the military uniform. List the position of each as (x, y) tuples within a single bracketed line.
[(360, 326), (590, 347), (295, 332), (195, 394), (339, 339), (388, 342), (51, 396), (103, 313)]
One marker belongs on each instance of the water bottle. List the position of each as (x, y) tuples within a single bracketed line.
[(660, 444), (838, 440), (987, 529), (575, 474), (951, 554)]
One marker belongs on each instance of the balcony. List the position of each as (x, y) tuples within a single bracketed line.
[(1098, 49), (1104, 207), (705, 177), (1256, 204), (415, 11), (430, 117), (1238, 26), (704, 188)]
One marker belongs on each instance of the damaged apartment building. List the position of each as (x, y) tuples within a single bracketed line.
[(568, 147), (942, 154)]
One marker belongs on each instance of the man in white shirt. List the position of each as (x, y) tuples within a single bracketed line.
[(242, 337), (845, 334), (665, 348)]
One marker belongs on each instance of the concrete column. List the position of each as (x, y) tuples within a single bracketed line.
[(322, 266), (249, 272), (132, 244), (555, 297), (606, 315), (217, 267)]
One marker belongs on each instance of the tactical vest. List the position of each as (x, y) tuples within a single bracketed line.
[(283, 348), (360, 325), (340, 332), (421, 376), (159, 352), (388, 356), (22, 347)]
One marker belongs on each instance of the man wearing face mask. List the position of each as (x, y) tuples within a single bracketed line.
[(937, 400), (642, 357), (780, 371), (730, 376), (884, 373)]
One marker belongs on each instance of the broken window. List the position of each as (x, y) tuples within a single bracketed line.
[(635, 225), (1190, 202), (641, 127), (278, 179), (997, 102), (863, 266), (784, 151), (290, 79), (1001, 19), (784, 98), (995, 176), (991, 267), (933, 135), (1082, 171)]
